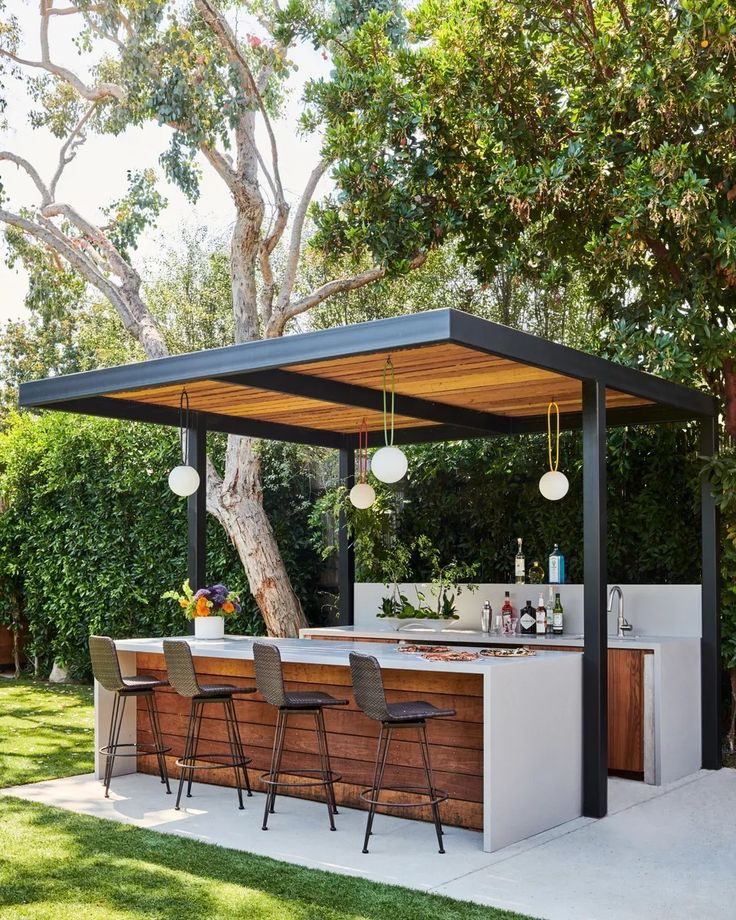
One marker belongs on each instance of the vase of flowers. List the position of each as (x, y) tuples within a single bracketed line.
[(208, 607)]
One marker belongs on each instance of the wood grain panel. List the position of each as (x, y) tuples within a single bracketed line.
[(626, 710), (450, 374), (625, 703), (456, 744)]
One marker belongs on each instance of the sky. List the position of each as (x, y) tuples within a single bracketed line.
[(98, 174)]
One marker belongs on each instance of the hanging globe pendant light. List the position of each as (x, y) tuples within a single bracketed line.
[(389, 463), (553, 484), (362, 495), (184, 479)]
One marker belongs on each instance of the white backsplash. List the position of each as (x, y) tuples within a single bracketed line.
[(653, 610)]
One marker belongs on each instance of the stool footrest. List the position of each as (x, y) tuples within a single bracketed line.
[(140, 749), (421, 791), (200, 763), (324, 779)]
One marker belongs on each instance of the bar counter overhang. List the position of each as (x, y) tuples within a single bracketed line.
[(457, 376), (512, 771)]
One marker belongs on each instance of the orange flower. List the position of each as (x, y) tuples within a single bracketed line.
[(228, 607), (203, 609), (183, 602)]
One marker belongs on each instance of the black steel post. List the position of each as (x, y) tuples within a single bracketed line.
[(595, 653), (710, 644), (346, 552), (197, 503)]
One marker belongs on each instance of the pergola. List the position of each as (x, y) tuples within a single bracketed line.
[(457, 376)]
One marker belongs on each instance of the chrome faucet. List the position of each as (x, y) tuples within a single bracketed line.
[(623, 625)]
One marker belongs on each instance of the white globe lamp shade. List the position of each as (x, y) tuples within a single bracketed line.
[(362, 495), (184, 480), (389, 464), (554, 485)]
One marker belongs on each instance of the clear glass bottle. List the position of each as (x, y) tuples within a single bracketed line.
[(550, 611), (519, 564), (556, 567), (541, 618)]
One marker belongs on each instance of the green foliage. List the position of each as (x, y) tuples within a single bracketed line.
[(91, 536), (470, 500), (138, 209), (599, 137)]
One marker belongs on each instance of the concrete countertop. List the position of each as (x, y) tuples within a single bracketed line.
[(472, 637), (312, 651)]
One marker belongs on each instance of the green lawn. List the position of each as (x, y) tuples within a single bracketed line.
[(45, 731), (54, 864)]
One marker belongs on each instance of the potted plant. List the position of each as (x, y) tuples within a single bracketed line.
[(208, 607), (435, 604)]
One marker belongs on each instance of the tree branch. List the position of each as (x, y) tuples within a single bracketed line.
[(92, 93), (31, 170), (222, 31), (330, 289), (297, 229), (69, 149), (116, 263)]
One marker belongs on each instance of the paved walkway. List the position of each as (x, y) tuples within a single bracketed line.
[(661, 854)]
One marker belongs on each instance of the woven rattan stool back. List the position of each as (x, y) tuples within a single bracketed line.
[(180, 665), (105, 664), (368, 686), (269, 674)]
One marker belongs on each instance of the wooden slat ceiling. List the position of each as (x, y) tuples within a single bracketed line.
[(444, 373)]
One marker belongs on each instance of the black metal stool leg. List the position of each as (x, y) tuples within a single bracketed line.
[(384, 740), (158, 740), (183, 769), (422, 731), (278, 743), (331, 786), (321, 745), (116, 739), (234, 753), (110, 755), (239, 745), (195, 748)]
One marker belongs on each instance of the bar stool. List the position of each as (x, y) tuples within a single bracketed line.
[(270, 683), (370, 696), (183, 679), (106, 671)]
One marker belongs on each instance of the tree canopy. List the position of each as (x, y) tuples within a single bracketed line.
[(559, 134)]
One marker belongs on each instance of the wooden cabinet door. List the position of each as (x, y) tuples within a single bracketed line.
[(626, 710)]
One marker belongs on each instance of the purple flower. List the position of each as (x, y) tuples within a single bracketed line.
[(203, 592)]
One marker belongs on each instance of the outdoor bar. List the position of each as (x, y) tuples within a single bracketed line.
[(457, 376)]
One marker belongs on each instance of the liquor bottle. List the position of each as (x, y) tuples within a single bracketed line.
[(541, 616), (519, 567), (508, 616), (536, 573), (528, 620), (550, 611), (556, 567), (485, 618), (558, 617)]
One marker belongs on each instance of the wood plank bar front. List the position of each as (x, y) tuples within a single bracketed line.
[(456, 744)]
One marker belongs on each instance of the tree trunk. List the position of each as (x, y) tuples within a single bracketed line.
[(237, 503)]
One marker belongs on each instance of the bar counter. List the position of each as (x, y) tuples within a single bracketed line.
[(511, 758)]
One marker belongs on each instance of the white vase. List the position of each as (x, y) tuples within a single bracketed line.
[(209, 627)]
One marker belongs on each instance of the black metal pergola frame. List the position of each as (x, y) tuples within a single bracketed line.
[(264, 364)]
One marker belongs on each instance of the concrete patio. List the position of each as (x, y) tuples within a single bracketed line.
[(662, 852)]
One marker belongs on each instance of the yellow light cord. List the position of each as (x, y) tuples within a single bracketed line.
[(549, 436), (388, 366)]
